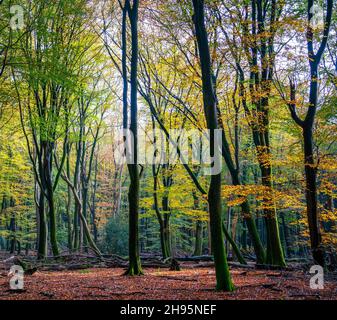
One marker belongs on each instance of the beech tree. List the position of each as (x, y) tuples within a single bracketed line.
[(131, 11), (224, 281), (79, 72), (310, 165)]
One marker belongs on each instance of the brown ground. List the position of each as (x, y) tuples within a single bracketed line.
[(160, 284)]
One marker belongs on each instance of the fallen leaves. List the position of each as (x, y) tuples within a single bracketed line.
[(162, 284)]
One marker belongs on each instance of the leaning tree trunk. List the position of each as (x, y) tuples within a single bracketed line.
[(223, 277), (261, 77), (78, 202), (246, 212)]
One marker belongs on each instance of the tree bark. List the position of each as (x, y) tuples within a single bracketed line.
[(223, 277), (310, 165), (133, 195)]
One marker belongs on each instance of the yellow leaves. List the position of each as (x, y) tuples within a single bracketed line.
[(268, 198), (146, 202), (329, 215), (194, 214), (291, 160), (236, 202), (264, 156), (328, 164), (254, 69), (328, 188), (236, 195)]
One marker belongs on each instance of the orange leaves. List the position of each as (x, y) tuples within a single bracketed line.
[(161, 284), (266, 197)]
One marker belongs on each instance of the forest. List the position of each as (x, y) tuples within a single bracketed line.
[(143, 141)]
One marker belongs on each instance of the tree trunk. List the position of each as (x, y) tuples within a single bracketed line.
[(43, 227), (198, 228), (246, 212), (275, 254), (12, 229), (166, 229), (48, 183), (68, 209), (236, 249), (307, 124), (311, 197), (93, 204), (198, 238), (133, 195), (223, 277), (287, 239)]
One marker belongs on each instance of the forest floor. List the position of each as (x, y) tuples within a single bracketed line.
[(162, 284)]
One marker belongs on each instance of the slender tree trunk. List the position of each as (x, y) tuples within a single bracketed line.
[(12, 229), (311, 172), (133, 195), (198, 229), (77, 183), (198, 238), (68, 208), (43, 228), (246, 212), (47, 176), (311, 197), (275, 254), (84, 209), (261, 77), (86, 230), (236, 249), (93, 204), (244, 236), (253, 232), (287, 237), (223, 277), (53, 226), (166, 221), (163, 245), (228, 227)]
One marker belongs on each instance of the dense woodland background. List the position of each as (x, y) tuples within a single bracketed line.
[(263, 71)]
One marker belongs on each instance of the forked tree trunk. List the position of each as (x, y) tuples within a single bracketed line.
[(261, 77), (310, 166)]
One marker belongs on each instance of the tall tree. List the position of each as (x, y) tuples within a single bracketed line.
[(258, 46), (132, 12), (47, 78), (307, 125), (223, 277)]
